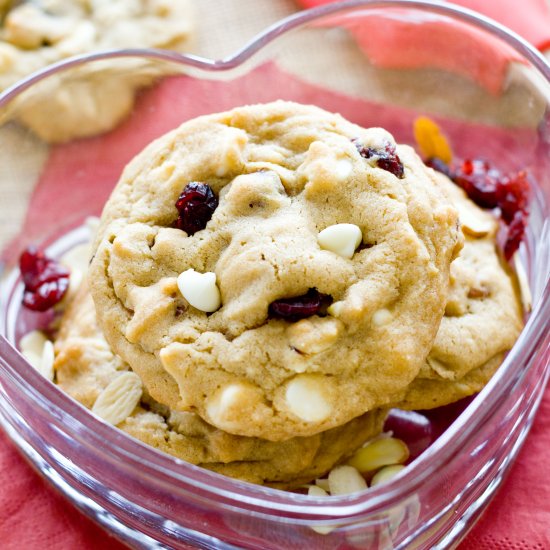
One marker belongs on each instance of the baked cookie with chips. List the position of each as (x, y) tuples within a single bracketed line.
[(275, 269), (85, 100), (483, 314), (87, 370)]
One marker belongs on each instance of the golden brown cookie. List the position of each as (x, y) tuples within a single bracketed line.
[(93, 99), (284, 175), (483, 315), (85, 366)]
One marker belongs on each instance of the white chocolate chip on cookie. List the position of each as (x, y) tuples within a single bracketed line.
[(200, 290), (228, 403), (336, 309), (382, 317), (314, 335), (343, 169), (306, 398), (342, 238)]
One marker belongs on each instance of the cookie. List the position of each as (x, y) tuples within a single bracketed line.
[(483, 315), (311, 216), (85, 366), (86, 100)]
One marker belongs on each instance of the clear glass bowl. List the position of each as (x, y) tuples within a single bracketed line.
[(378, 63)]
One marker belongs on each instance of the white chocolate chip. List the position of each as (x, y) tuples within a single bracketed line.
[(306, 399), (121, 396), (223, 401), (343, 169), (314, 335), (200, 290), (335, 309), (382, 317), (342, 238), (231, 402), (344, 480)]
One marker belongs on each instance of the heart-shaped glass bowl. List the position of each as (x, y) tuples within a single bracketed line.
[(68, 131)]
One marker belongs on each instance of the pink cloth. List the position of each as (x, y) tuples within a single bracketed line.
[(529, 18), (393, 43), (32, 515)]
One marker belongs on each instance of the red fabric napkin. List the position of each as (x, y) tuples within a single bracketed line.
[(529, 18), (32, 515), (393, 43)]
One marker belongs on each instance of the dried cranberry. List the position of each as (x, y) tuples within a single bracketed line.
[(480, 181), (489, 188), (516, 231), (386, 158), (513, 196), (195, 205), (46, 281), (299, 307)]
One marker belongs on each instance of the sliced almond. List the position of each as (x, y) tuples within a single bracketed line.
[(386, 473), (316, 491), (46, 361), (344, 480), (322, 483), (474, 222), (33, 342), (523, 283), (379, 453), (77, 257), (121, 396)]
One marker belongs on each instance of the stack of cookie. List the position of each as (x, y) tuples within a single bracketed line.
[(269, 281)]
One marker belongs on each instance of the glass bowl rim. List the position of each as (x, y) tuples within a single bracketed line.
[(241, 495)]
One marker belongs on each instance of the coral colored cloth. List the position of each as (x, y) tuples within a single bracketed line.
[(34, 516), (393, 43), (529, 18)]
